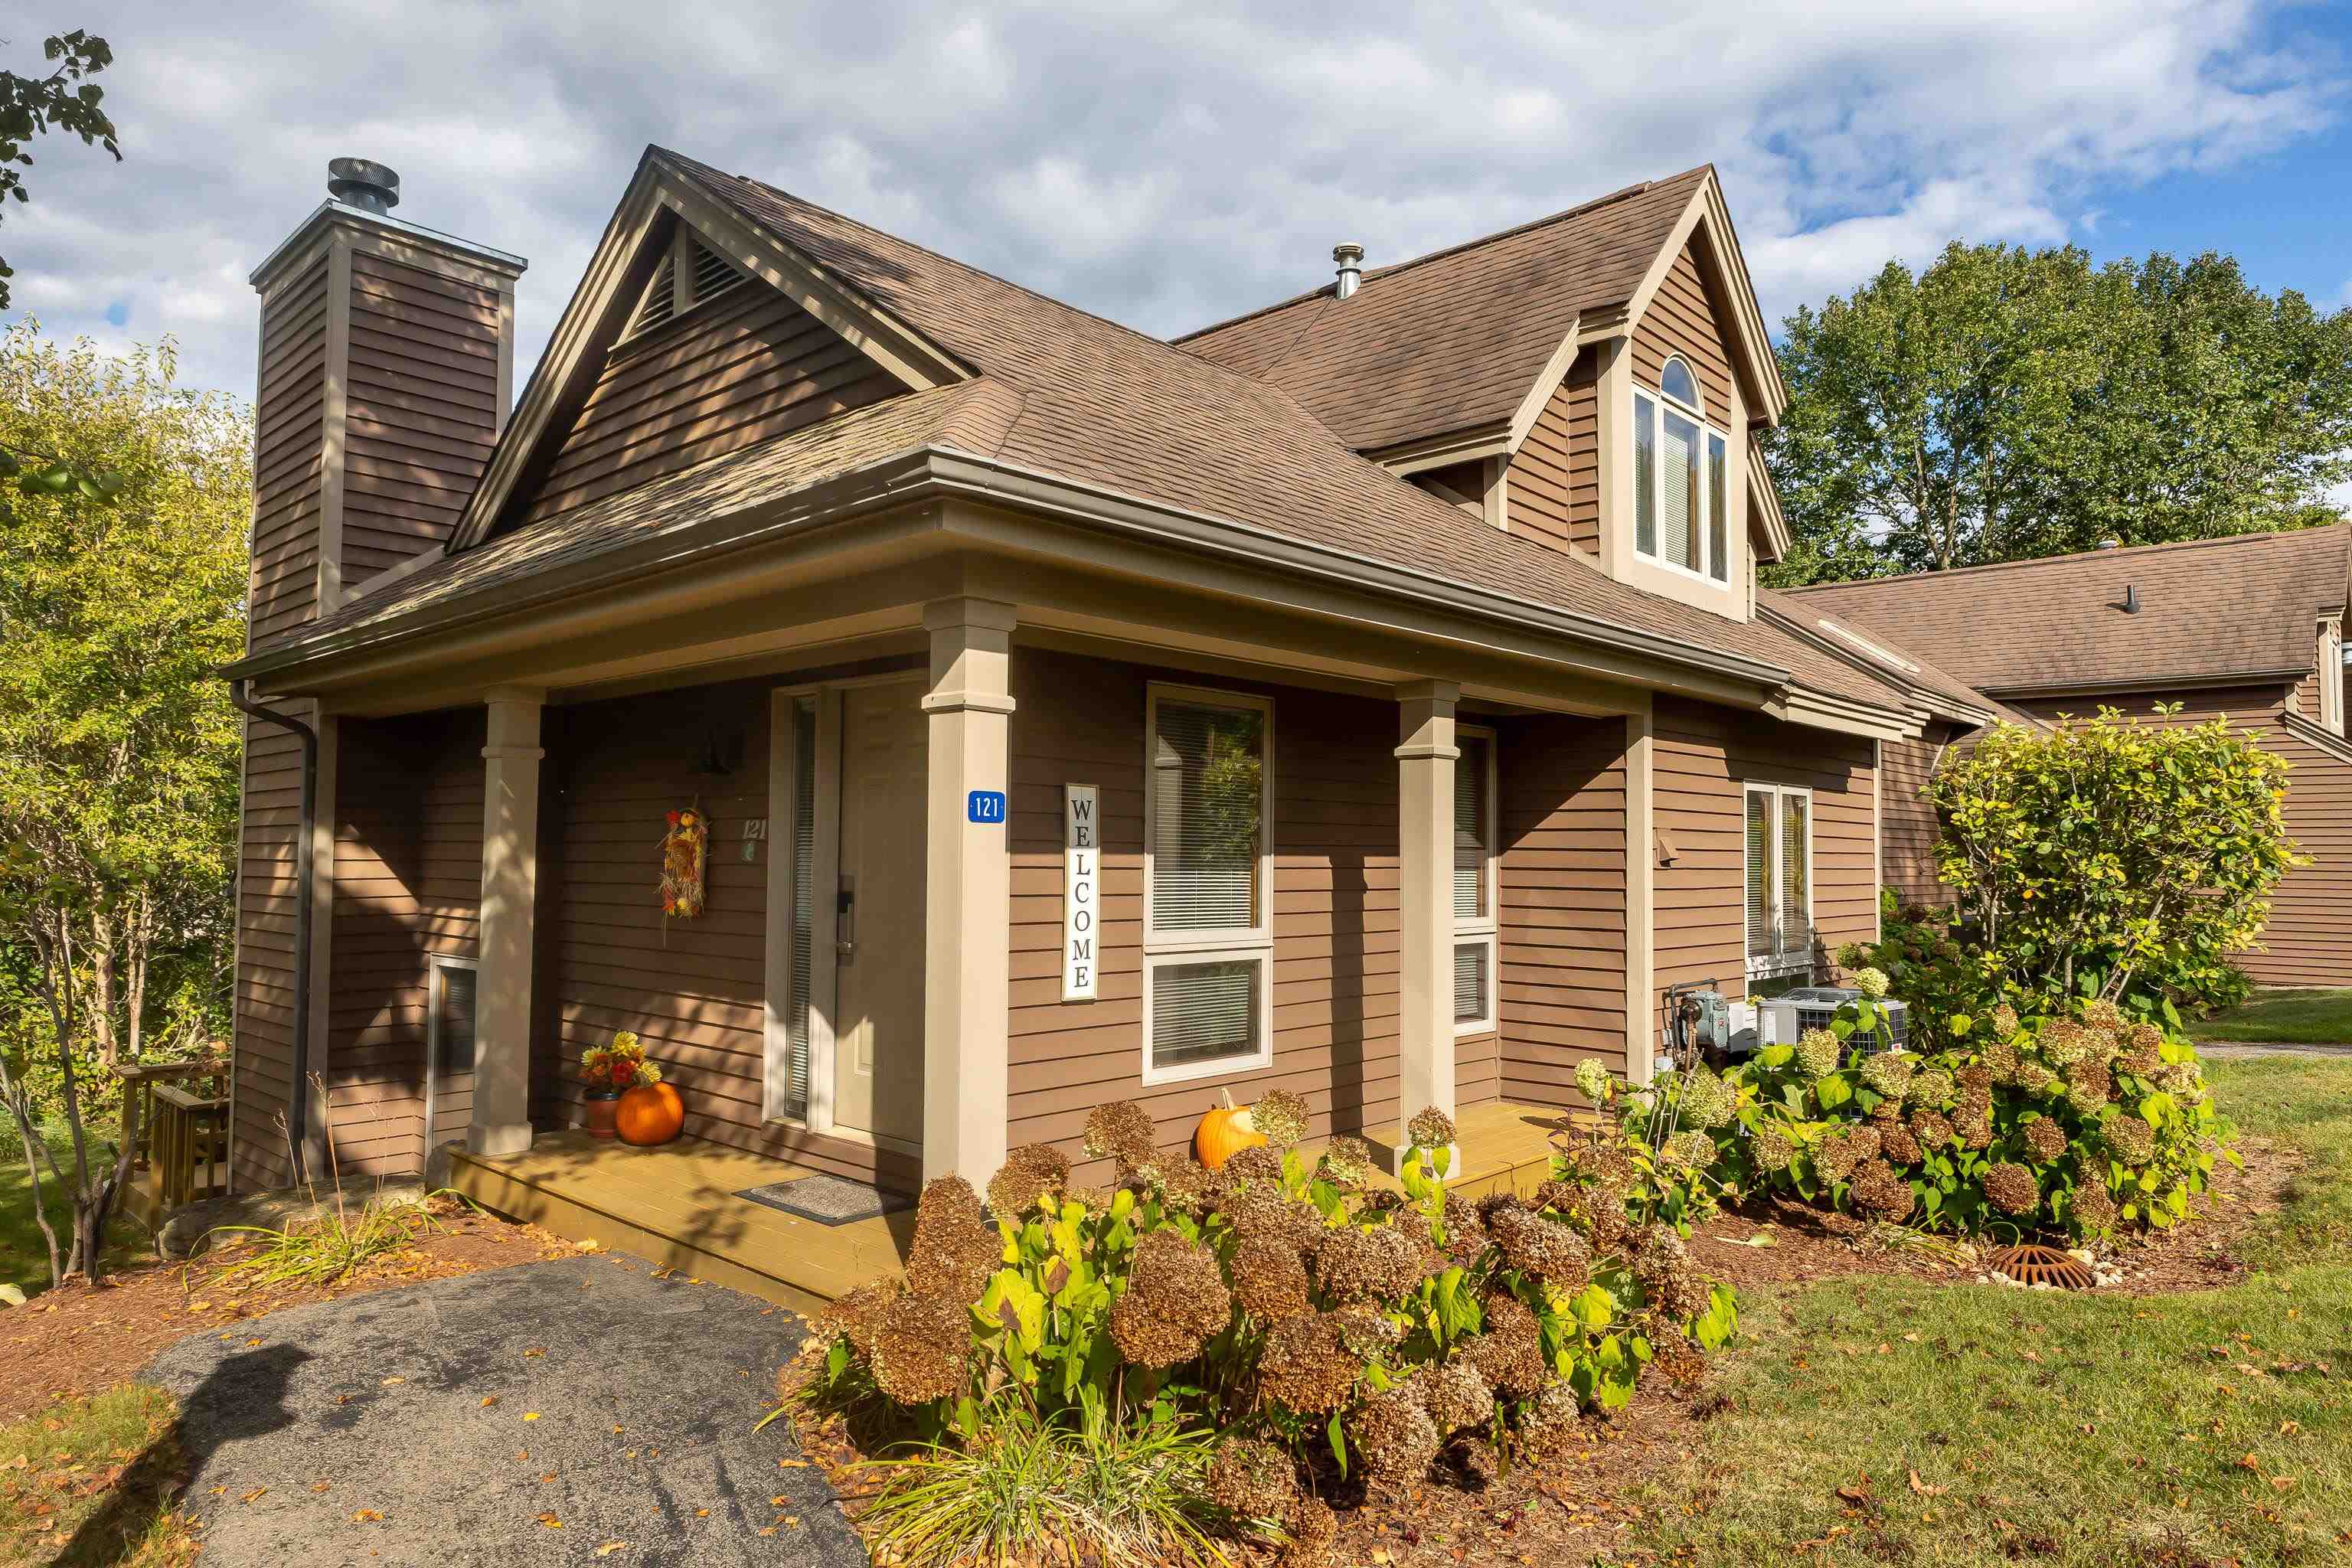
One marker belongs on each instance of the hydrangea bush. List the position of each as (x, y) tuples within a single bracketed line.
[(1317, 1320), (2086, 1122)]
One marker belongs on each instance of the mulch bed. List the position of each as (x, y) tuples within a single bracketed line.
[(78, 1341)]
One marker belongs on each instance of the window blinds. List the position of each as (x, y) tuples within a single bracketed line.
[(1470, 829), (1645, 475), (453, 1019), (1205, 1012), (1759, 875), (1208, 795), (1470, 981), (1678, 524), (1796, 929)]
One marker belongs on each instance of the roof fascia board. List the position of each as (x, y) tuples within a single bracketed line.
[(2194, 681), (1764, 501), (1926, 700), (590, 303), (2317, 735), (1554, 371), (1754, 343), (881, 337), (1820, 710), (1409, 457)]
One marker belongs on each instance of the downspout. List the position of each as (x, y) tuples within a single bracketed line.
[(297, 1106)]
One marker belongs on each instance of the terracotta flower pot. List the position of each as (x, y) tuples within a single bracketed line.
[(650, 1113), (603, 1106)]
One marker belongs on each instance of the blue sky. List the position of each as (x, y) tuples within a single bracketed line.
[(1168, 162)]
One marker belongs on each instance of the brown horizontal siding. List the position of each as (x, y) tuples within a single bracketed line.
[(1702, 757), (421, 413), (2309, 939), (695, 991), (1555, 477), (1335, 995), (1681, 320), (408, 864), (1561, 787), (1907, 827), (282, 589), (750, 365), (262, 1006)]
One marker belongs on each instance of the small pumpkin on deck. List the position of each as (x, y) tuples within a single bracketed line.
[(648, 1114), (1224, 1132)]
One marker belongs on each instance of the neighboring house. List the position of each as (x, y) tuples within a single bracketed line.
[(1399, 644), (2248, 627)]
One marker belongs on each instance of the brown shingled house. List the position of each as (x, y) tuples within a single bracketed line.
[(2250, 628), (1397, 648)]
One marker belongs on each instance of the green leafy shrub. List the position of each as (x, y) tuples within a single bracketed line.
[(1315, 1323), (2088, 1121), (2108, 854)]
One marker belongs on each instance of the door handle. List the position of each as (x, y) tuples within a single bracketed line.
[(845, 920)]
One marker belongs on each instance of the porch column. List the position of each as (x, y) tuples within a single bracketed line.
[(1425, 759), (1641, 1022), (501, 1122), (968, 891)]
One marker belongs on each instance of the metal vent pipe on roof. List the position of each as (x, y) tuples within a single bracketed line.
[(1350, 258), (2131, 598), (365, 184)]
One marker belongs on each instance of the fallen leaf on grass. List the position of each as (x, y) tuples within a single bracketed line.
[(2283, 1483), (1924, 1489)]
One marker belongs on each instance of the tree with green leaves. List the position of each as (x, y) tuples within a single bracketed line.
[(65, 99), (2007, 404), (119, 778)]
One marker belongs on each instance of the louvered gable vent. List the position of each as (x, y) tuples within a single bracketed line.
[(713, 273), (708, 275), (661, 296)]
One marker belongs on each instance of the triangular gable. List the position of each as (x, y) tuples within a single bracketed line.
[(1705, 228), (667, 228)]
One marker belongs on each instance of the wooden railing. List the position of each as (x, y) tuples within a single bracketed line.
[(181, 1121)]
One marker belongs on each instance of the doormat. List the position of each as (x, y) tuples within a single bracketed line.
[(828, 1200)]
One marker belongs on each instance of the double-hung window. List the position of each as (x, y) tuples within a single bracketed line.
[(1682, 516), (1779, 831), (1474, 882), (1208, 932)]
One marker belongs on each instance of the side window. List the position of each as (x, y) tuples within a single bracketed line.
[(1475, 893), (1780, 866), (1682, 516)]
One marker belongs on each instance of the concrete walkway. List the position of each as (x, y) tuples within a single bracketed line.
[(2260, 1048), (525, 1415)]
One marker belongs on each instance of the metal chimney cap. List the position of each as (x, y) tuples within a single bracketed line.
[(1350, 258), (365, 184), (1348, 254), (2111, 542)]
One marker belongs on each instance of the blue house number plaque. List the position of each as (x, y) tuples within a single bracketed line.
[(985, 805)]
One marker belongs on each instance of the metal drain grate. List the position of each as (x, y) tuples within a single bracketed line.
[(2030, 1263)]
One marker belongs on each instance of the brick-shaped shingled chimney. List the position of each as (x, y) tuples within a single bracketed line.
[(386, 368)]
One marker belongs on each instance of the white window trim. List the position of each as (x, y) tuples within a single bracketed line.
[(1251, 942), (1703, 532), (436, 966), (1486, 923), (1784, 960)]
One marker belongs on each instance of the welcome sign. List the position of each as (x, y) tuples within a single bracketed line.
[(1081, 890)]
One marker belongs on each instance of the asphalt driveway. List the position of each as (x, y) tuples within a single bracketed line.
[(535, 1414)]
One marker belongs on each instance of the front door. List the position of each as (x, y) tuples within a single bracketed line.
[(878, 962)]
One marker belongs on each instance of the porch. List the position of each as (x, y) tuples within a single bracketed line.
[(679, 1204)]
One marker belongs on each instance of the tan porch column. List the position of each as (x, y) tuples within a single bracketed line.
[(501, 1123), (1642, 1045), (969, 892), (1425, 757)]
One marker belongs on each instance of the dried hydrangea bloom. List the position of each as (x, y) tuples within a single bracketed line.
[(857, 1316), (1509, 1353), (2011, 1189), (1771, 1150), (1366, 1329), (2106, 1017), (1465, 1232), (1429, 1129), (1676, 1358), (948, 1200), (1542, 1248), (2005, 1019), (1669, 1275), (1120, 1130), (1353, 1264), (1255, 1163), (1176, 1297), (1270, 1278), (2141, 1060), (1880, 1191), (2179, 1080), (1262, 1209), (1305, 1368), (1349, 1161), (1690, 1147), (1593, 1080), (1550, 1418), (1031, 1173), (953, 1260), (2001, 1060), (1871, 983), (1930, 1129), (1896, 1145), (1281, 1117), (2093, 1209), (1836, 1156), (1455, 1395), (1818, 1053), (1706, 1101), (2132, 1140), (2089, 1084), (1929, 1087), (919, 1348), (1392, 1434), (1312, 1527), (1888, 1072), (2064, 1041), (1252, 1479), (1974, 1078), (1190, 1186), (2045, 1141)]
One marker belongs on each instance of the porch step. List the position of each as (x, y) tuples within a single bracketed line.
[(676, 1205)]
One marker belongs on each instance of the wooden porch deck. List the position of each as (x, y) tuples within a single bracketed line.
[(677, 1205)]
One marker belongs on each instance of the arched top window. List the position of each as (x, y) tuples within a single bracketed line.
[(1677, 383)]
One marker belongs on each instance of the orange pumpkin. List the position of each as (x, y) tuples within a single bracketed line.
[(648, 1114), (1224, 1132)]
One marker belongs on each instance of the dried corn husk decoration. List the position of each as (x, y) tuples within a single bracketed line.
[(684, 851)]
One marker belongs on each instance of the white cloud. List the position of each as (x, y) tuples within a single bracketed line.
[(1163, 164)]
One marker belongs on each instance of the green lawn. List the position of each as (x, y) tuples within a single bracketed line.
[(2292, 1017), (2182, 1430), (24, 1255)]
